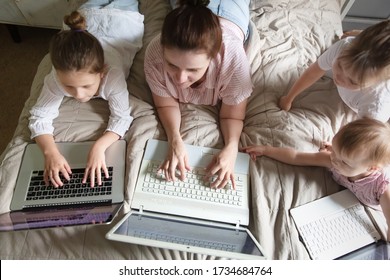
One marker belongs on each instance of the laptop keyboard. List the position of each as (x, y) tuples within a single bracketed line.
[(195, 186), (328, 233), (72, 188), (185, 241)]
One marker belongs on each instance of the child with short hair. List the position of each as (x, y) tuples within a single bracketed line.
[(356, 158), (361, 71), (88, 63)]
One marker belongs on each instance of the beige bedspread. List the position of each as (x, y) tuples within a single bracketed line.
[(287, 35)]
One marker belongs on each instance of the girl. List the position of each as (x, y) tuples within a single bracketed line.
[(86, 68), (361, 72), (359, 152), (199, 58)]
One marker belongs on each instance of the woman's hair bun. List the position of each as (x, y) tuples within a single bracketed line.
[(194, 2)]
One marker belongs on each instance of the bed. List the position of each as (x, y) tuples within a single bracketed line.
[(286, 36)]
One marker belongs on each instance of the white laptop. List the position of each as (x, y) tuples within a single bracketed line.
[(375, 251), (335, 226), (33, 201), (189, 215)]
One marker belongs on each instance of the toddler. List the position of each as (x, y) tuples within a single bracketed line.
[(356, 158)]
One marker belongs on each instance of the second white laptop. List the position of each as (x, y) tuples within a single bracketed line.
[(335, 225)]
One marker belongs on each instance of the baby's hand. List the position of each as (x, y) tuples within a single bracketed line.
[(284, 103), (254, 151), (325, 146), (176, 160)]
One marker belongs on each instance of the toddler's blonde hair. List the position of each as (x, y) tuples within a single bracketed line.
[(366, 135)]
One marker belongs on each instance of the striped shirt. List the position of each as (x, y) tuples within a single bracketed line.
[(228, 76), (368, 189)]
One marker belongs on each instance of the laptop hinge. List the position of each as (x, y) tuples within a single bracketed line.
[(237, 227), (140, 211)]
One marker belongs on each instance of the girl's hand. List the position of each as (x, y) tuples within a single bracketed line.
[(55, 164), (222, 167), (96, 163), (284, 103), (177, 159)]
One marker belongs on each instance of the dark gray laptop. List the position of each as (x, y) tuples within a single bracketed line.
[(59, 216), (74, 202)]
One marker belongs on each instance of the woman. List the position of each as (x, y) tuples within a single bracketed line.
[(199, 58)]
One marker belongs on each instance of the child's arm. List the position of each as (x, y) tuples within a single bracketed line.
[(353, 32), (290, 156), (120, 119), (309, 77), (55, 163), (385, 204)]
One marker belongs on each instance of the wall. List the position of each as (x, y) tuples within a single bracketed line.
[(364, 13)]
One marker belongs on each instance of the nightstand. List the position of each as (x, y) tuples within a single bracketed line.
[(42, 13)]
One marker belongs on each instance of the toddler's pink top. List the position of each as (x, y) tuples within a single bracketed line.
[(368, 190), (228, 77)]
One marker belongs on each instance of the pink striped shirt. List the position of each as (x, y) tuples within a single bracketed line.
[(368, 189), (228, 77)]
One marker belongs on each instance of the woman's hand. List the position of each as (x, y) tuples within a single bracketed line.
[(221, 168), (177, 160)]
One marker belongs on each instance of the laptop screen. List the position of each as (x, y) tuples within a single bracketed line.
[(58, 217), (185, 234), (379, 250)]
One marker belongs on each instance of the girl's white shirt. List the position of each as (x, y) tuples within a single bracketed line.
[(113, 88), (120, 44), (372, 101)]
